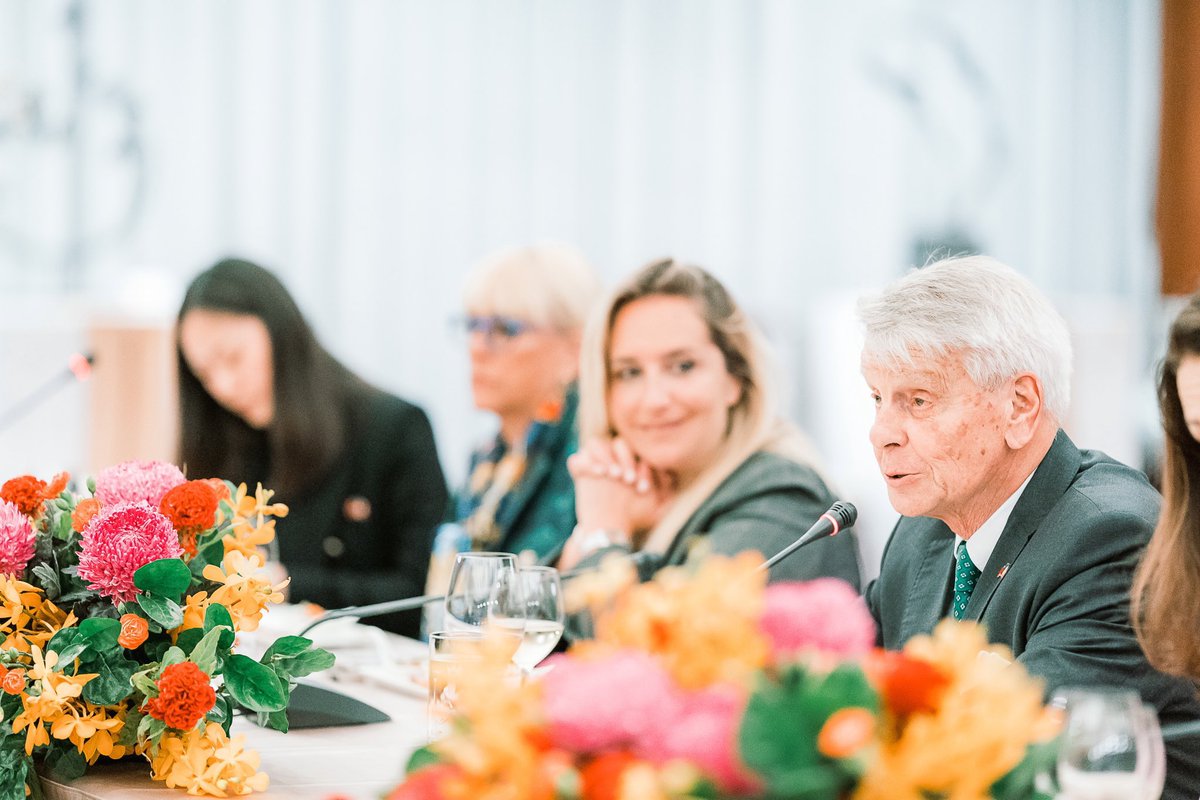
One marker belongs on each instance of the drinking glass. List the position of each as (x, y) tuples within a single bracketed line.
[(451, 654), (543, 615), (1108, 749), (472, 582)]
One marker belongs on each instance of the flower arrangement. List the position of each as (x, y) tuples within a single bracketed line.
[(708, 684), (118, 617)]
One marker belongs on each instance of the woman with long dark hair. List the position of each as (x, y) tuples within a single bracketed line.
[(262, 401)]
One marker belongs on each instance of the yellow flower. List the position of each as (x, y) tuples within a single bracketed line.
[(702, 626), (205, 761), (92, 729), (989, 713), (244, 591), (47, 699), (194, 608), (250, 527), (497, 739)]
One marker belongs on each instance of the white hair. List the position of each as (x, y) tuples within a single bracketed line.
[(995, 317), (547, 284)]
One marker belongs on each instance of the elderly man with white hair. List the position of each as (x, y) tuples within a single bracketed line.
[(1004, 520)]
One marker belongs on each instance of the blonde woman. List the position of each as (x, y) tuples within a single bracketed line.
[(525, 310), (683, 452)]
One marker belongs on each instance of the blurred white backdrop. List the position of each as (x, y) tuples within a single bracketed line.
[(371, 150)]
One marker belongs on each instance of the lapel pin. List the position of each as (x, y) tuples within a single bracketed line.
[(1003, 571)]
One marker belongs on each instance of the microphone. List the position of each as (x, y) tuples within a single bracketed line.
[(841, 515), (645, 563), (78, 369)]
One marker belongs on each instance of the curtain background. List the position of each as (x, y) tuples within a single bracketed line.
[(371, 150)]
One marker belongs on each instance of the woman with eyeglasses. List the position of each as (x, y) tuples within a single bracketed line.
[(525, 309), (683, 453), (262, 401)]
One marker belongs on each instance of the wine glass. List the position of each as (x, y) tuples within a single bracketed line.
[(543, 615), (485, 594), (1107, 746)]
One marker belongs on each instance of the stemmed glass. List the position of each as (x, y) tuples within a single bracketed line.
[(542, 615), (1111, 746), (484, 593)]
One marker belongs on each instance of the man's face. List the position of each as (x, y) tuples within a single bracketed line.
[(938, 438)]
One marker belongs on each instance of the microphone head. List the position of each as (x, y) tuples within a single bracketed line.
[(845, 514)]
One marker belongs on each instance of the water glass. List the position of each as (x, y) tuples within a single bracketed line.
[(451, 655), (1111, 747)]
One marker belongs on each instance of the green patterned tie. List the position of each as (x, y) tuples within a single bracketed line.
[(965, 576)]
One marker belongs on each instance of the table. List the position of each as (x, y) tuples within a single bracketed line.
[(360, 761)]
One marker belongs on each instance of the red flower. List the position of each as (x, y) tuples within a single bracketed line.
[(191, 506), (602, 776), (84, 511), (184, 696), (28, 493), (13, 681), (425, 784), (908, 684), (134, 631)]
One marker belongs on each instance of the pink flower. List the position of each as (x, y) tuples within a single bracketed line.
[(134, 481), (823, 614), (120, 540), (703, 730), (609, 703), (16, 540)]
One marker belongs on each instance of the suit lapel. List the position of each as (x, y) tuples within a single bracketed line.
[(930, 589), (1049, 482)]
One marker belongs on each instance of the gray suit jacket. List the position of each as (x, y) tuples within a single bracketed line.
[(1055, 590), (765, 505)]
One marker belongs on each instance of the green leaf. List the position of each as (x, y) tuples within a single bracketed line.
[(114, 674), (101, 632), (204, 654), (254, 685), (133, 721), (217, 615), (142, 682), (68, 643), (65, 763), (421, 757), (287, 646), (174, 655), (779, 730), (16, 769), (167, 577), (188, 639), (162, 610), (305, 663), (276, 720), (150, 729)]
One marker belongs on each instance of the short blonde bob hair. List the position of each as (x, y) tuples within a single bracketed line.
[(754, 424), (551, 285)]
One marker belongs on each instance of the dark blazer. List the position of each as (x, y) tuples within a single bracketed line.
[(363, 533), (1055, 590), (765, 505)]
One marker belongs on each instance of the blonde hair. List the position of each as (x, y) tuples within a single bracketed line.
[(552, 285), (754, 424)]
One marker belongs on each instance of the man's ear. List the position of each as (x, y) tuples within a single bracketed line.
[(1025, 408)]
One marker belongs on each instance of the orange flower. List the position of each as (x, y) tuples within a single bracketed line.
[(28, 493), (134, 631), (846, 732), (908, 684), (185, 695), (602, 776), (84, 511), (190, 506), (13, 681), (219, 486)]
